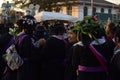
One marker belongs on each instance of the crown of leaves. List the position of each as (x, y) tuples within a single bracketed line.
[(87, 26)]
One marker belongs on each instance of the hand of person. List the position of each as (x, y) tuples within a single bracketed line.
[(108, 21)]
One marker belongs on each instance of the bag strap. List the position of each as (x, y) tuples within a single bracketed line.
[(99, 57)]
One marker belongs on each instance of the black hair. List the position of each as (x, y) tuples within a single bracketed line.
[(20, 24), (117, 34), (39, 32), (86, 40), (28, 23), (58, 29), (112, 28), (99, 31)]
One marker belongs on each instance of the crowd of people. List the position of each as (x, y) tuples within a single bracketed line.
[(59, 52)]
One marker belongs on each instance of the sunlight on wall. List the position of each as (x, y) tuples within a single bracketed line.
[(114, 1)]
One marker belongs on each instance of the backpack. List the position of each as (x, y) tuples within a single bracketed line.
[(14, 61)]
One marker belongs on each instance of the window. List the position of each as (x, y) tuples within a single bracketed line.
[(109, 11), (102, 10), (69, 10), (57, 9), (85, 11), (94, 10)]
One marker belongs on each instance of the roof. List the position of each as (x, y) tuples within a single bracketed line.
[(100, 2)]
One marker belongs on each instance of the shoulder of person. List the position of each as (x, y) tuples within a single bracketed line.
[(116, 51), (79, 44)]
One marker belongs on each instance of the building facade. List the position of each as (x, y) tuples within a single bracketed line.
[(102, 8)]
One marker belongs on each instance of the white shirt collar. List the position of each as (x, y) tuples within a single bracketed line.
[(78, 43), (99, 41)]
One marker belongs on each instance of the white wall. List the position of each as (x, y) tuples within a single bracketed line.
[(98, 9), (106, 10), (113, 11), (89, 10), (80, 12)]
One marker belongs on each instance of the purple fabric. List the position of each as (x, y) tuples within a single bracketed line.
[(13, 40), (90, 69), (25, 59), (21, 38), (101, 56), (6, 69), (10, 43), (60, 36)]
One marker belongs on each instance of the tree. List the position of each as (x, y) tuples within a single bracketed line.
[(21, 3), (44, 4)]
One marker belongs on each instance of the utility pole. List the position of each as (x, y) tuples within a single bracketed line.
[(92, 6), (113, 15)]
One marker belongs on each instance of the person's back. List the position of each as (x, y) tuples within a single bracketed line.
[(84, 58), (25, 49), (115, 60), (4, 41), (53, 56), (70, 72), (87, 60)]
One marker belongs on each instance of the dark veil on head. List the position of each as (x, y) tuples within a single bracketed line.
[(28, 23)]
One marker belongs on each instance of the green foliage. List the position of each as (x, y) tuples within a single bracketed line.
[(44, 4), (14, 31), (88, 26)]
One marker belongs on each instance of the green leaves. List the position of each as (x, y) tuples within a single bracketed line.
[(87, 26), (13, 31)]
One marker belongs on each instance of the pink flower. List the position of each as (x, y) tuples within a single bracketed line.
[(95, 18)]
